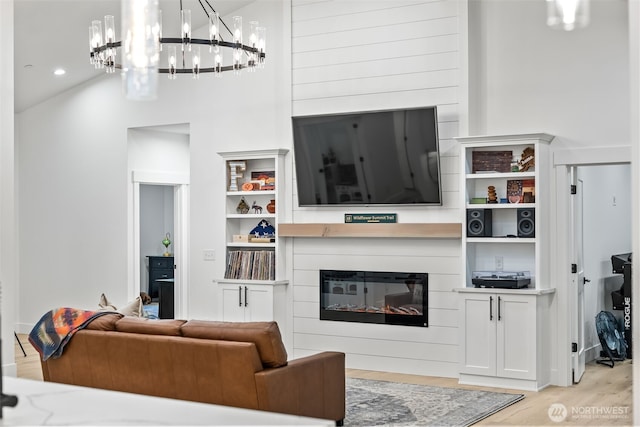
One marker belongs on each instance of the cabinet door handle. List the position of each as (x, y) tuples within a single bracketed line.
[(240, 296), (491, 308), (499, 311), (245, 296)]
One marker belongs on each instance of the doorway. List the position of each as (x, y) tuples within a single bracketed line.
[(158, 215), (157, 264), (602, 229)]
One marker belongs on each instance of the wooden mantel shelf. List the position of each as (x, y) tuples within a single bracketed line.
[(403, 230)]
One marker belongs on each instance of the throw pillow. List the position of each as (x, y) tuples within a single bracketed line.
[(133, 308), (105, 305)]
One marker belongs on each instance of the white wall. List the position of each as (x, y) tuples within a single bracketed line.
[(526, 77)]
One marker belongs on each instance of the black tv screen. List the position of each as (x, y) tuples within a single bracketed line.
[(368, 158)]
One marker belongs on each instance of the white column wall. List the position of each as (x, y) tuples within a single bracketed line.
[(634, 67), (8, 241)]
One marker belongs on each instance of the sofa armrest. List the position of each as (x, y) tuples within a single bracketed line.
[(312, 386)]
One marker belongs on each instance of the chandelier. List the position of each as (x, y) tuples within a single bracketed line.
[(567, 14), (143, 44)]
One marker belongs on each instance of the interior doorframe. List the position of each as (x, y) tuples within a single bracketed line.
[(180, 183), (563, 161)]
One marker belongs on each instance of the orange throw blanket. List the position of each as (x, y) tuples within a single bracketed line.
[(56, 327)]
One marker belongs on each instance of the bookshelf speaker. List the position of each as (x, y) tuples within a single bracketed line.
[(526, 222), (479, 223)]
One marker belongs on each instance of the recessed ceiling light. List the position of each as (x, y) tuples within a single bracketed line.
[(59, 72)]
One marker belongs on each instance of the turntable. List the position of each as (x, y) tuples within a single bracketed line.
[(501, 279)]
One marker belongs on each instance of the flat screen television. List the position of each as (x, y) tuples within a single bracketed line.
[(386, 157)]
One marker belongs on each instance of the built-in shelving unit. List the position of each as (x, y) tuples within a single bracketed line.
[(504, 332), (253, 287)]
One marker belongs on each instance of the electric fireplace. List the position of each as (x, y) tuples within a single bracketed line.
[(391, 298)]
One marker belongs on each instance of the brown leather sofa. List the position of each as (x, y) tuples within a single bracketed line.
[(226, 363)]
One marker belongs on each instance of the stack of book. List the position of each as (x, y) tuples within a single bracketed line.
[(251, 265)]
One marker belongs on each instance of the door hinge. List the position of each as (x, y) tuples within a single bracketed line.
[(574, 347), (574, 268), (574, 189)]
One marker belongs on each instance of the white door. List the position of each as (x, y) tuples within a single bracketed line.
[(516, 336), (478, 340), (259, 303), (576, 294)]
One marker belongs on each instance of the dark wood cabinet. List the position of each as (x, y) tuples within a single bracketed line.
[(160, 267)]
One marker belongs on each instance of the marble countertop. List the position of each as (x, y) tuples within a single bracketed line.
[(46, 403)]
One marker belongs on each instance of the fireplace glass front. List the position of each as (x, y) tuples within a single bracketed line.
[(374, 297)]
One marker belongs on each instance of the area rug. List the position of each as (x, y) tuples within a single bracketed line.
[(378, 403)]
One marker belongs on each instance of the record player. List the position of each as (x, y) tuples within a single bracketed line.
[(501, 279)]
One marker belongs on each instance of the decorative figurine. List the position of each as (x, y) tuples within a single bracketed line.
[(527, 160), (243, 207), (271, 207), (235, 173), (166, 242), (256, 208), (492, 197)]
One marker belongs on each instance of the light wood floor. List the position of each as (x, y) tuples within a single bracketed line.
[(602, 392)]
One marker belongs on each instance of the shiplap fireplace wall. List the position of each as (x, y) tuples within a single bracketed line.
[(368, 55)]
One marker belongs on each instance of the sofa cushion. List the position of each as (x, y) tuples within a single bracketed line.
[(265, 335), (141, 325), (106, 322)]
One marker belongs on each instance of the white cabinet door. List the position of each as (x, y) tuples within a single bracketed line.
[(246, 303), (499, 336), (516, 336), (478, 350), (258, 303), (232, 303)]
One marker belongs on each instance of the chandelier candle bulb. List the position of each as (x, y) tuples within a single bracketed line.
[(262, 36), (96, 42), (237, 39), (173, 61), (186, 29), (109, 29), (253, 43), (109, 39), (237, 30), (195, 58), (159, 28), (214, 29), (217, 58), (92, 60)]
